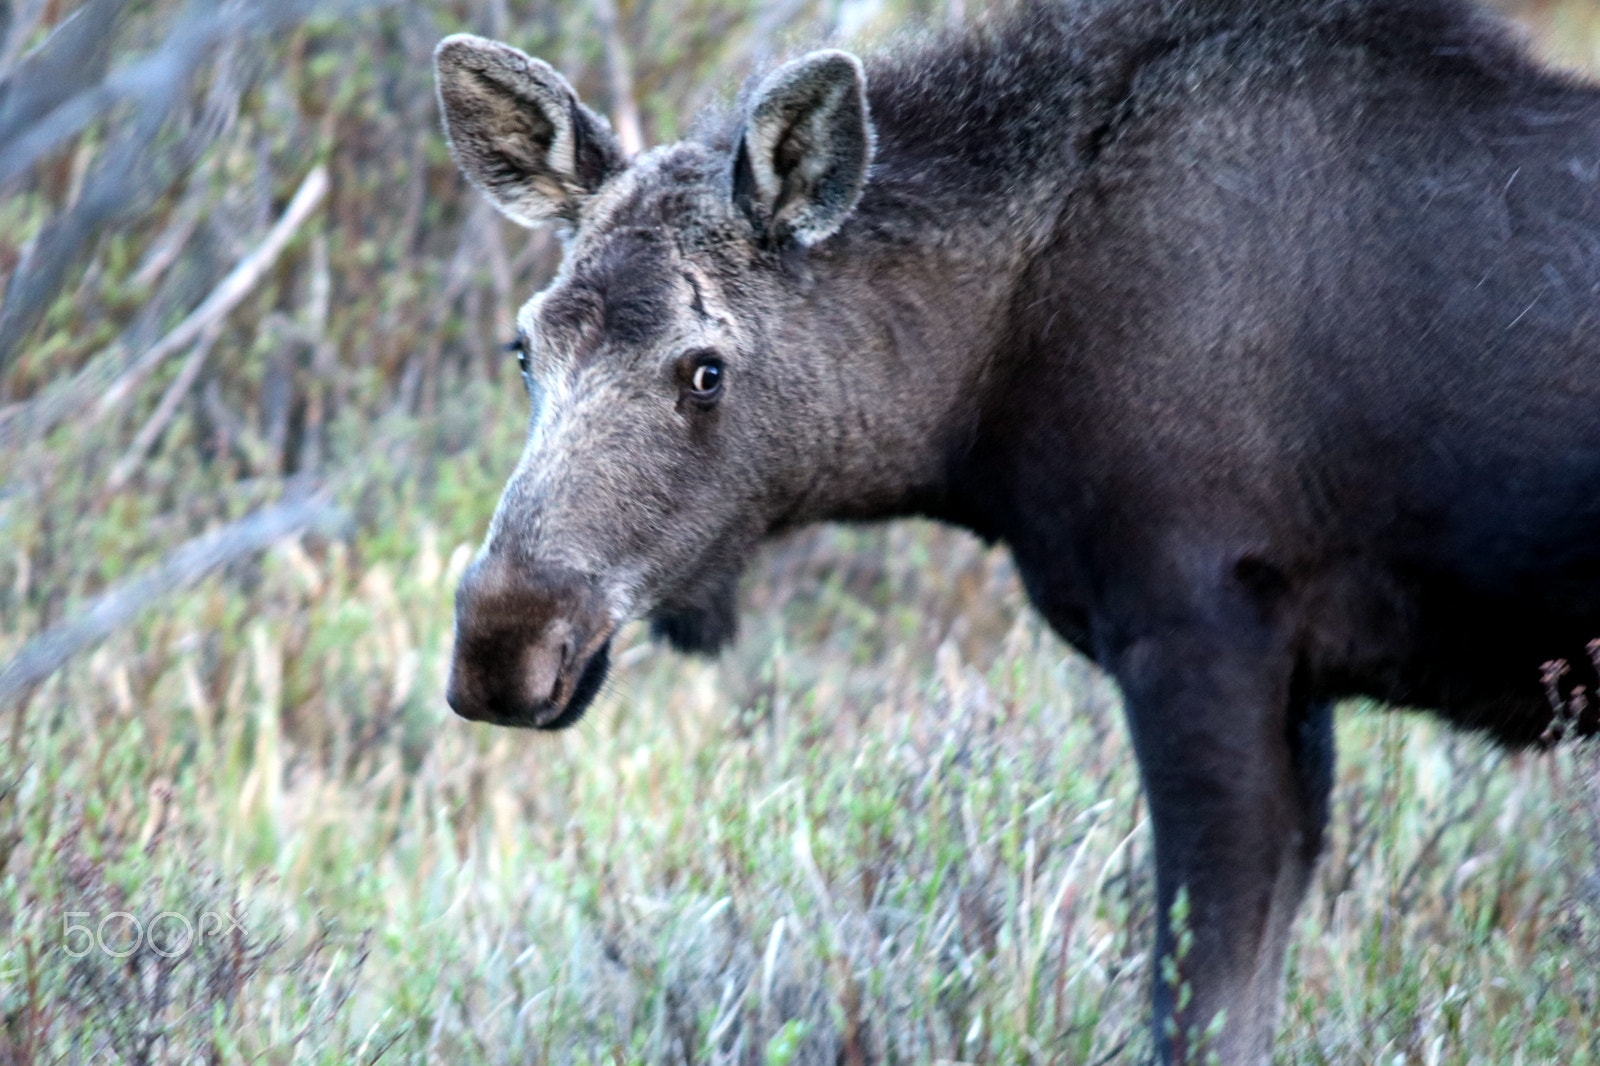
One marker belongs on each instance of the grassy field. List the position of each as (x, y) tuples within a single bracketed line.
[(898, 822)]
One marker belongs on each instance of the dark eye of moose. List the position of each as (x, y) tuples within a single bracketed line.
[(705, 377), (520, 348)]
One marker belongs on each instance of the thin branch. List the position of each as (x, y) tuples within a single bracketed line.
[(164, 250), (16, 31), (154, 82), (132, 170), (164, 410), (37, 416), (173, 291), (124, 180), (48, 652), (75, 54), (226, 296)]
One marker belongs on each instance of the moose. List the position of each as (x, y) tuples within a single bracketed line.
[(1264, 333)]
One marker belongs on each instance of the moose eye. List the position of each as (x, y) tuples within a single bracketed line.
[(705, 379), (519, 348)]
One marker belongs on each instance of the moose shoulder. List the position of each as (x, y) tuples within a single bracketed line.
[(1263, 332)]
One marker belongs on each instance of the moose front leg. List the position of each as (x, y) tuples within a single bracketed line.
[(1237, 764)]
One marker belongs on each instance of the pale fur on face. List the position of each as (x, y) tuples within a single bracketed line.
[(611, 482)]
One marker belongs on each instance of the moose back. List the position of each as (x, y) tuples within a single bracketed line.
[(1265, 333)]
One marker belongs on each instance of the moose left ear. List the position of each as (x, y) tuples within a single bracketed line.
[(518, 132), (802, 162)]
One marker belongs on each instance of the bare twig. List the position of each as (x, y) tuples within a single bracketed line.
[(165, 249), (18, 26), (226, 296), (48, 652), (165, 409), (120, 182), (152, 82), (129, 174), (171, 291), (38, 416), (75, 54)]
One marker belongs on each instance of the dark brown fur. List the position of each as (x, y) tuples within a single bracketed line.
[(1262, 331)]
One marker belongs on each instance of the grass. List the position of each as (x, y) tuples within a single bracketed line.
[(898, 822)]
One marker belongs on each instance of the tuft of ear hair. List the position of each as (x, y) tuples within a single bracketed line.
[(808, 139), (518, 132)]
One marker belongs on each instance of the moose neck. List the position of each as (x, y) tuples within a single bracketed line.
[(908, 337), (907, 305)]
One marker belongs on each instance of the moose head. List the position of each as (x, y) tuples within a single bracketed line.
[(687, 391)]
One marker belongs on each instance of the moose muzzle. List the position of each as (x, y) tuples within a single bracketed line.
[(532, 644)]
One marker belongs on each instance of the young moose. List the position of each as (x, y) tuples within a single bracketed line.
[(1265, 333)]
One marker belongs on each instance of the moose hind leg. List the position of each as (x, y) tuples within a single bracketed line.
[(1237, 766)]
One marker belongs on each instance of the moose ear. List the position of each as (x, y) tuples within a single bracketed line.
[(802, 162), (518, 132)]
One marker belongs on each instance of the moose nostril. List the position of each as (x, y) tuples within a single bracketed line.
[(563, 660)]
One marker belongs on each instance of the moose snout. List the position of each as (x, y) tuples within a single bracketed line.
[(531, 645)]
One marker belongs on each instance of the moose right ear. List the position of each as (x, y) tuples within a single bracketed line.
[(518, 132), (802, 163)]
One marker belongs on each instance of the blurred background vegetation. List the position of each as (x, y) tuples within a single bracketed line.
[(254, 415)]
